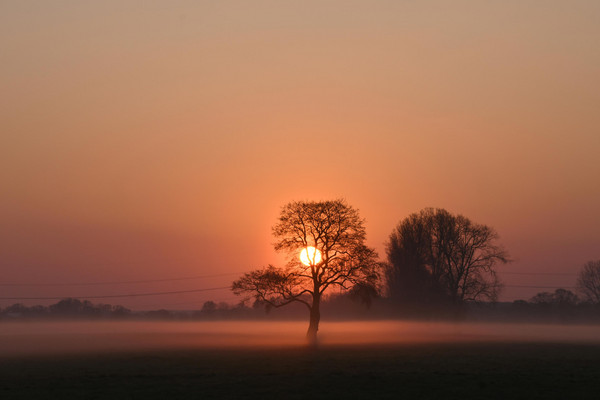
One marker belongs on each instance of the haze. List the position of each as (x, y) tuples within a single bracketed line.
[(150, 140), (40, 338)]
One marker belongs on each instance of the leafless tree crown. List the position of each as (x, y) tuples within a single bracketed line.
[(337, 231), (444, 254), (588, 281)]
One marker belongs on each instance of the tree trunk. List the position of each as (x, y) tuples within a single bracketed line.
[(315, 317)]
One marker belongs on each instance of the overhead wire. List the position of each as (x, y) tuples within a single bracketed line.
[(147, 294), (205, 276), (116, 295), (541, 287), (536, 273), (189, 303), (122, 282)]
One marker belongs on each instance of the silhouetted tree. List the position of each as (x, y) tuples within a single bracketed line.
[(209, 307), (104, 309), (120, 311), (565, 298), (560, 297), (37, 311), (588, 281), (16, 309), (363, 293), (336, 230), (543, 298), (68, 306), (435, 256), (75, 307)]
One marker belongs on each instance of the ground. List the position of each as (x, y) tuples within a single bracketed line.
[(400, 371)]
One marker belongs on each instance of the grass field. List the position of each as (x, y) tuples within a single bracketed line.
[(481, 369)]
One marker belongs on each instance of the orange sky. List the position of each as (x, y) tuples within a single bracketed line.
[(149, 140)]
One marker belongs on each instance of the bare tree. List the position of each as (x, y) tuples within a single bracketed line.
[(436, 255), (588, 281), (341, 258), (209, 307)]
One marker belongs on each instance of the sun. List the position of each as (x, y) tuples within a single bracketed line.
[(310, 256)]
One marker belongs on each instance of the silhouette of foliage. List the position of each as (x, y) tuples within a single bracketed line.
[(209, 307), (588, 281), (337, 231), (437, 257), (67, 308), (560, 297)]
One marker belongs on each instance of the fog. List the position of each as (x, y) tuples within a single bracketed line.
[(47, 338)]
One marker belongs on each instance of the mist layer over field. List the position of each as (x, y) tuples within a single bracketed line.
[(33, 338)]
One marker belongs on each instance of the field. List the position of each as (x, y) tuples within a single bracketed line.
[(161, 360)]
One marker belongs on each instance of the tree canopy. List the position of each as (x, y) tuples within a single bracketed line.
[(588, 281), (337, 232), (435, 256)]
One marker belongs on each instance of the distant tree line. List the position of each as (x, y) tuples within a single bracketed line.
[(562, 306), (341, 305), (66, 308)]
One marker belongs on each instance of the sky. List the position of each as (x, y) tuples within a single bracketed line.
[(154, 140)]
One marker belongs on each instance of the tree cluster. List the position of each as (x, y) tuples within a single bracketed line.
[(437, 257), (434, 257), (66, 308), (560, 298), (561, 305)]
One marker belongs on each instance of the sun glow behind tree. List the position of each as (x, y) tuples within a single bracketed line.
[(325, 243), (310, 256)]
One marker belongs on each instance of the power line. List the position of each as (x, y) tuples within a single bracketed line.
[(536, 273), (120, 282), (212, 276), (116, 295), (198, 303), (541, 287)]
